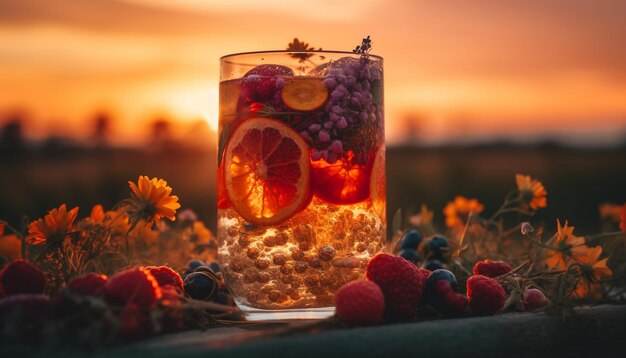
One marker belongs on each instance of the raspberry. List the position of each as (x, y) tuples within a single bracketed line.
[(491, 268), (534, 299), (89, 284), (132, 286), (360, 303), (20, 276), (486, 295), (423, 274), (400, 282), (166, 276)]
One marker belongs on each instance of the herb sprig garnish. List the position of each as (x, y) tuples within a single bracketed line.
[(301, 46), (364, 48)]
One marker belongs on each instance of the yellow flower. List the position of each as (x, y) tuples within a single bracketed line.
[(10, 245), (532, 192), (565, 246), (151, 200), (592, 270), (458, 211), (53, 228)]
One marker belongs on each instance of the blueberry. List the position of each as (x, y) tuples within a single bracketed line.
[(192, 265), (431, 292), (215, 267), (433, 265), (438, 246), (411, 240), (207, 270), (410, 255), (200, 286), (442, 274)]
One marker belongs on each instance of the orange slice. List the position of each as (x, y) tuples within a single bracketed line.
[(266, 171), (304, 93), (378, 184)]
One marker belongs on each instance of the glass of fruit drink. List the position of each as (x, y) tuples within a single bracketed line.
[(301, 177)]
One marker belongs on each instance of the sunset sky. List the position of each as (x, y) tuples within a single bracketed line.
[(456, 70)]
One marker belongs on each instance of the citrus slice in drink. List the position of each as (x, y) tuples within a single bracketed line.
[(266, 171), (342, 182), (304, 93), (378, 184)]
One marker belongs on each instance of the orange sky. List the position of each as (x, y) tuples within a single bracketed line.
[(458, 69)]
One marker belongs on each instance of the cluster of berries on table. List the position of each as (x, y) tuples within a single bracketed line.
[(131, 304), (403, 287)]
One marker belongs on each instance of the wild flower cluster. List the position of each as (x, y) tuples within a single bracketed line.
[(565, 266), (131, 234)]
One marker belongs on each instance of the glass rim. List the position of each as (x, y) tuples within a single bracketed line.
[(296, 52)]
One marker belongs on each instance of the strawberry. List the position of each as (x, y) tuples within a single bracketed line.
[(486, 295), (89, 284), (534, 299), (360, 303), (132, 286), (166, 276), (491, 268), (22, 277), (400, 282)]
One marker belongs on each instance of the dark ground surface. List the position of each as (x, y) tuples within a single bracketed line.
[(578, 180), (590, 332)]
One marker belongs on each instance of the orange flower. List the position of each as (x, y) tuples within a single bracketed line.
[(10, 245), (202, 234), (622, 224), (566, 246), (151, 200), (53, 228), (532, 192), (457, 212), (97, 214), (611, 212), (592, 270), (424, 217)]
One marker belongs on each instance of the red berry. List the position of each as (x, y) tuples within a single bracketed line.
[(400, 282), (166, 276), (89, 284), (21, 276), (360, 303), (25, 316), (486, 295), (423, 274), (134, 324), (260, 84), (534, 299), (132, 286), (452, 303), (491, 268)]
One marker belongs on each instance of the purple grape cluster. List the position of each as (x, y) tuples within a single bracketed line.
[(352, 113)]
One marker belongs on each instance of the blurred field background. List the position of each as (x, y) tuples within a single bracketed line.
[(95, 93)]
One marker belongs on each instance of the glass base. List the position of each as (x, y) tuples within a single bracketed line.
[(255, 314)]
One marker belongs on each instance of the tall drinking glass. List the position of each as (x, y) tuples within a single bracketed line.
[(301, 177)]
